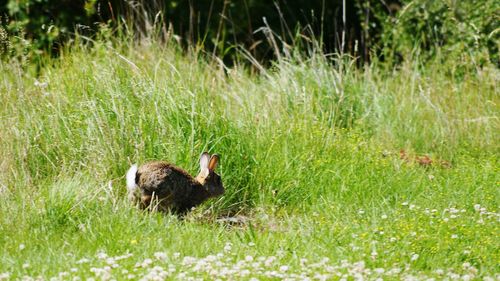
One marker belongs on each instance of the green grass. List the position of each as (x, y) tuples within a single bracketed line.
[(309, 157)]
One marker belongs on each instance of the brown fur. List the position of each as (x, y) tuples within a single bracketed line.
[(165, 187)]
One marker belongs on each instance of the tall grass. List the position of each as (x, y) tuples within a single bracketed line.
[(308, 146)]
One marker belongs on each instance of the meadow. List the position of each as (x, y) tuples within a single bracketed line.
[(317, 186)]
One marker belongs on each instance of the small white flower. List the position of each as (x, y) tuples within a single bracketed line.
[(160, 256), (405, 203), (439, 271), (26, 265), (84, 260), (466, 277), (414, 257), (454, 236), (147, 262), (188, 260), (384, 217), (269, 260), (22, 246), (284, 268), (40, 84)]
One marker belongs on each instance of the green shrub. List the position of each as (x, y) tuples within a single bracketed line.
[(449, 29)]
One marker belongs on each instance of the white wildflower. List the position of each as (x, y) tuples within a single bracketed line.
[(379, 270), (83, 260), (40, 84), (188, 260), (284, 268), (4, 276), (414, 257), (147, 262), (466, 277), (269, 261), (439, 271), (101, 255), (228, 247), (160, 256)]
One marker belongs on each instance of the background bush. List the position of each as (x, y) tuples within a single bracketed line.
[(393, 29)]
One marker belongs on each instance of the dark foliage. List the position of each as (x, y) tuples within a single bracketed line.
[(389, 28)]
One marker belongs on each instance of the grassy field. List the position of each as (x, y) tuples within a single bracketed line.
[(310, 157)]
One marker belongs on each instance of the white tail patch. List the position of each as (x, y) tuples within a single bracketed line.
[(131, 185)]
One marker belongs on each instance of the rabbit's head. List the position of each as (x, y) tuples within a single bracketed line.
[(207, 176)]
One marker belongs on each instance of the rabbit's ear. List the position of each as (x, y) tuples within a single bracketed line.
[(214, 160), (204, 159)]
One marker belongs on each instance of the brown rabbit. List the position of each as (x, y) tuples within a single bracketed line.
[(161, 185)]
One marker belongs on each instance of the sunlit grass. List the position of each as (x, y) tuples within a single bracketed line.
[(309, 158)]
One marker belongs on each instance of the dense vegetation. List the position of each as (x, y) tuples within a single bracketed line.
[(390, 29), (332, 170)]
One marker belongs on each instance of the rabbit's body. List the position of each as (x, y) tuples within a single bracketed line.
[(166, 187)]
